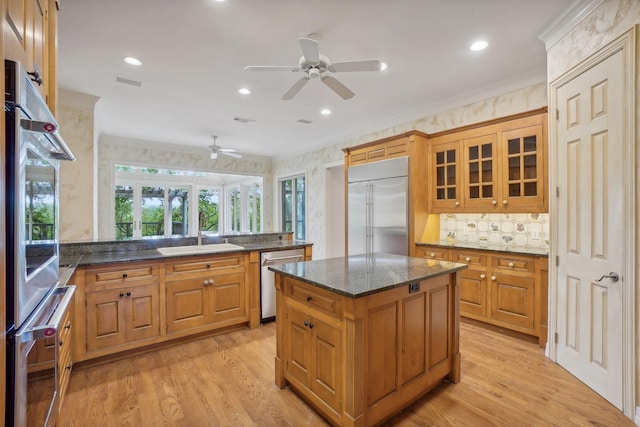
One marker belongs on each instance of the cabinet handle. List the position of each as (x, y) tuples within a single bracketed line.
[(308, 324), (68, 367), (309, 298), (467, 259), (494, 202), (68, 326), (493, 278), (128, 294), (510, 265), (125, 275), (483, 276), (504, 202), (121, 294)]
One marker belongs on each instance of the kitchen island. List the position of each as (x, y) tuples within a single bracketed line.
[(361, 337)]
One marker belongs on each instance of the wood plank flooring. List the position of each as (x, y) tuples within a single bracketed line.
[(227, 380)]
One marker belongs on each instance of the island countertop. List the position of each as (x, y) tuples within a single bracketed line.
[(357, 276)]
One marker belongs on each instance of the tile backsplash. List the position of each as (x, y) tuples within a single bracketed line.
[(529, 230)]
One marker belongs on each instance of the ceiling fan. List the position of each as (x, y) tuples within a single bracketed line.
[(316, 66), (216, 149)]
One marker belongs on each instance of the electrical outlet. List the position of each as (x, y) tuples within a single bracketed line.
[(465, 231), (535, 234)]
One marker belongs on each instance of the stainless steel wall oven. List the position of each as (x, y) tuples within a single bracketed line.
[(34, 150)]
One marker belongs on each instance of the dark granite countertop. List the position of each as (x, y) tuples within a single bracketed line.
[(98, 258), (486, 246), (360, 275)]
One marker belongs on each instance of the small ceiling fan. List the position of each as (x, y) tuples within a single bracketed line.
[(216, 149), (316, 66)]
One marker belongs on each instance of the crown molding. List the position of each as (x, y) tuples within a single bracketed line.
[(559, 28)]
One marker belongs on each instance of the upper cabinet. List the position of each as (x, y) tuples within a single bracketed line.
[(30, 28), (498, 167)]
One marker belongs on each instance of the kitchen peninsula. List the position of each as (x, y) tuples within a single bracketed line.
[(361, 337)]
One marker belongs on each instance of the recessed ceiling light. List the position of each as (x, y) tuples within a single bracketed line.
[(132, 61), (383, 66), (325, 111), (478, 45), (244, 91)]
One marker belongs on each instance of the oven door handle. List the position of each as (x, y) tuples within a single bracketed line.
[(50, 328)]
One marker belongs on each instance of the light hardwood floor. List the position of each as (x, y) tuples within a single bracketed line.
[(227, 380)]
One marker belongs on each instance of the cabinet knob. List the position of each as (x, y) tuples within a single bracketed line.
[(467, 259), (483, 276), (206, 282), (510, 265), (504, 202), (60, 343), (457, 203), (68, 326), (208, 265), (432, 255), (125, 275), (494, 202), (308, 324), (121, 294), (493, 278), (68, 367), (309, 298), (128, 294)]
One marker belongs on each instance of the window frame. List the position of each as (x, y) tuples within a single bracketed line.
[(294, 210)]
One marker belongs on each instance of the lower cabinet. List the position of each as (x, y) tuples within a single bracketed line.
[(501, 288), (201, 301), (122, 315), (313, 353)]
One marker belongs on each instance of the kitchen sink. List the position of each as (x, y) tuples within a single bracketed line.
[(202, 249)]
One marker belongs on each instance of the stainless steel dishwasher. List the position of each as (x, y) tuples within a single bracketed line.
[(267, 288)]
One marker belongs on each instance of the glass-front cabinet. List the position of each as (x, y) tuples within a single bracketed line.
[(445, 166), (499, 167)]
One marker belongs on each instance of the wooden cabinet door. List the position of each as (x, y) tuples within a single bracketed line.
[(523, 170), (480, 159), (38, 46), (326, 354), (297, 351), (106, 319), (413, 348), (142, 312), (187, 304), (228, 297), (473, 293), (512, 300), (446, 194), (16, 39)]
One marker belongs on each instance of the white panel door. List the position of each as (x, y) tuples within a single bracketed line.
[(590, 227)]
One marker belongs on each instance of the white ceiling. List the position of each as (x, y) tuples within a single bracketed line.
[(194, 52)]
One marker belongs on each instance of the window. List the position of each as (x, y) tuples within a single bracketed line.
[(293, 206), (152, 202)]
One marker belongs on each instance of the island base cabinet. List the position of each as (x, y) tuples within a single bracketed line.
[(374, 355)]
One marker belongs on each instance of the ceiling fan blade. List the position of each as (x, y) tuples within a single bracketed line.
[(213, 155), (231, 154), (226, 150), (337, 87), (293, 90), (310, 50), (368, 65), (271, 68)]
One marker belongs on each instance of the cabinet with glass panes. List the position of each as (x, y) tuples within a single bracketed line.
[(493, 167)]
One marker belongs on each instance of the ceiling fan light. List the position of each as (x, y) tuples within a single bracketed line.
[(213, 155), (383, 66), (244, 91), (478, 45)]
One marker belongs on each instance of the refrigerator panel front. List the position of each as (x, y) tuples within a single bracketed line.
[(389, 215), (357, 220)]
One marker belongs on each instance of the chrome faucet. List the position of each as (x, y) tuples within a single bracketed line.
[(202, 223)]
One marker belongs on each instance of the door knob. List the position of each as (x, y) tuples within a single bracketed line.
[(613, 276)]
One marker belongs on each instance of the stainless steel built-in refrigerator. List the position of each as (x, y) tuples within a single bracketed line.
[(377, 207)]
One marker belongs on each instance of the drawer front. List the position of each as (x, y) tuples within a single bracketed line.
[(205, 264), (477, 259), (511, 264), (121, 274), (437, 253), (313, 297)]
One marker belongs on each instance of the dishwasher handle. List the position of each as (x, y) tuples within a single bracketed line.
[(283, 259)]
